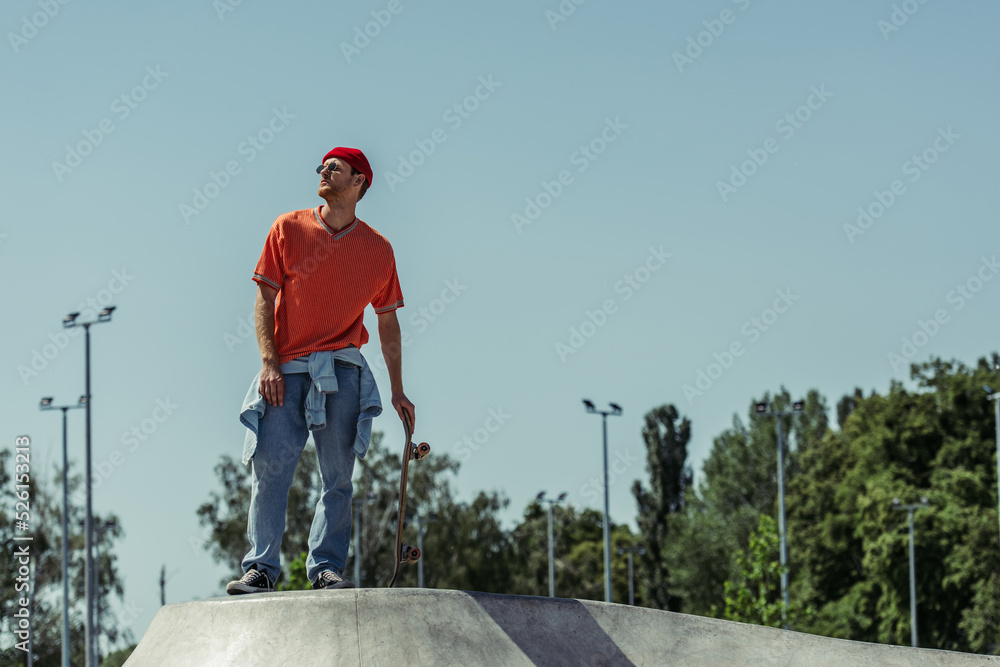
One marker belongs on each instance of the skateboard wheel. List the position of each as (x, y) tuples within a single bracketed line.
[(419, 452), (409, 554)]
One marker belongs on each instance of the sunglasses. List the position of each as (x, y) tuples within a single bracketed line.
[(326, 167)]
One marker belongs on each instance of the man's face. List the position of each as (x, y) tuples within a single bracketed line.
[(336, 178)]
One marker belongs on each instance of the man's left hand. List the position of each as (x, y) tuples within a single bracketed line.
[(401, 402)]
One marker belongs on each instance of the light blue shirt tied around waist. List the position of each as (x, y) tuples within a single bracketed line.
[(323, 381)]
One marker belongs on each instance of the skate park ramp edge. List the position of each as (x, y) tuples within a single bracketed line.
[(397, 627)]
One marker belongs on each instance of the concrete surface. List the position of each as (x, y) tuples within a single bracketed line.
[(400, 627)]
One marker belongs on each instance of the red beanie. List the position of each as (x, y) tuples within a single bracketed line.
[(353, 157)]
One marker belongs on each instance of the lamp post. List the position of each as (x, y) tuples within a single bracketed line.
[(358, 503), (422, 520), (552, 558), (995, 397), (164, 578), (69, 322), (637, 549), (762, 410), (896, 505), (616, 410), (46, 404), (100, 528)]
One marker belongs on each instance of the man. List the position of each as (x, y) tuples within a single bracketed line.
[(318, 271)]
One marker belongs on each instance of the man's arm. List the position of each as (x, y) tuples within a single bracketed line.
[(392, 351), (272, 381)]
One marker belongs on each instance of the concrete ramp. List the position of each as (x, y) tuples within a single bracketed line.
[(401, 627)]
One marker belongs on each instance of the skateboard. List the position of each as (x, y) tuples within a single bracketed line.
[(411, 452)]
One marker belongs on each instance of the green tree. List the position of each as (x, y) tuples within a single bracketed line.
[(465, 548), (982, 618), (754, 596), (738, 485), (578, 549), (225, 514), (46, 569), (934, 442), (666, 437), (118, 658)]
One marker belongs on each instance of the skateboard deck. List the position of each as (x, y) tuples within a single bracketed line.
[(404, 553)]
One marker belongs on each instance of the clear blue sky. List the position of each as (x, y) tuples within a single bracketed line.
[(661, 133)]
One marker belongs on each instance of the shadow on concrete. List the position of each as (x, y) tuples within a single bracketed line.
[(561, 632)]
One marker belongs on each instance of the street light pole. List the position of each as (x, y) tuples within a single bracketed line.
[(97, 595), (616, 410), (69, 322), (100, 529), (761, 409), (552, 558), (357, 503), (896, 505), (357, 542), (421, 522), (46, 404), (164, 578), (631, 587), (637, 549), (996, 416), (995, 397)]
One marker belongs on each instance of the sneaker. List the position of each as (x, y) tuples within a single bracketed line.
[(330, 579), (253, 581)]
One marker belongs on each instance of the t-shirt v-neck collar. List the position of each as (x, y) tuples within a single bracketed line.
[(336, 234)]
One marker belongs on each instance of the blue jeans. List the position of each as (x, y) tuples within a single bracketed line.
[(281, 438)]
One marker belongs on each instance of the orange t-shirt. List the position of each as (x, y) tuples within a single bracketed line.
[(325, 279)]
